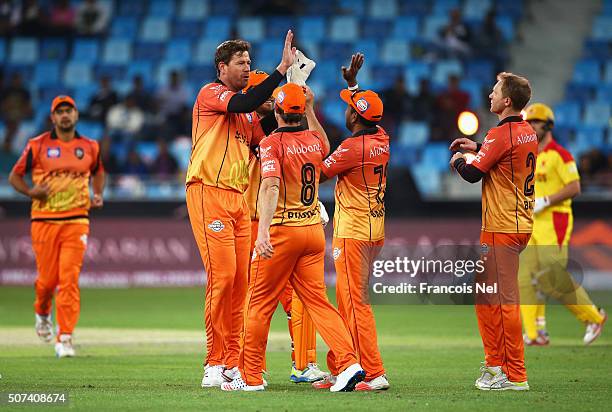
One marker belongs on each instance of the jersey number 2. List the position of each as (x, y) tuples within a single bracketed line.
[(531, 162)]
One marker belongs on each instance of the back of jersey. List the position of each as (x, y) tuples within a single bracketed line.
[(294, 155)]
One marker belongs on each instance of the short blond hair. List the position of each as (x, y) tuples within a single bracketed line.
[(515, 87)]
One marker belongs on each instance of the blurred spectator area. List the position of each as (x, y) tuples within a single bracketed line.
[(135, 68)]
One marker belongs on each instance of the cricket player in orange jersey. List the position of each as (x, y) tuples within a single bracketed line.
[(224, 128), (360, 162), (506, 163), (62, 163), (290, 243), (304, 346)]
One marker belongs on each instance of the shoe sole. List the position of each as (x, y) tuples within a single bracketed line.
[(353, 381), (600, 330), (511, 388), (357, 389), (295, 379)]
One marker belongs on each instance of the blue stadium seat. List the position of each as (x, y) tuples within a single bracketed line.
[(225, 7), (82, 95), (47, 73), (124, 27), (218, 28), (433, 25), (251, 28), (113, 71), (344, 28), (406, 28), (602, 28), (47, 93), (53, 49), (148, 151), (375, 28), (311, 49), (164, 69), (85, 50), (179, 50), (117, 51), (205, 51), (395, 52), (320, 7), (277, 26), (131, 8), (604, 93), (513, 9), (505, 24), (186, 29), (327, 72), (436, 155), (443, 7), (384, 75), (201, 74), (181, 150), (148, 50), (608, 72), (142, 68), (599, 50), (418, 8), (383, 8), (334, 110), (23, 50), (590, 136), (414, 72), (567, 114), (579, 92), (77, 74), (481, 70), (597, 114), (93, 130), (587, 72), (267, 55), (370, 48), (193, 9), (311, 27), (402, 156), (155, 29), (476, 9), (356, 7), (427, 178), (335, 50), (445, 68), (474, 89), (162, 8), (413, 134)]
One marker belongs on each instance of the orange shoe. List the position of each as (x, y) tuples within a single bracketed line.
[(325, 383)]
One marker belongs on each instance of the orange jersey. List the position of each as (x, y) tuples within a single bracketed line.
[(361, 165), (221, 140), (252, 192), (66, 168), (508, 159), (294, 155)]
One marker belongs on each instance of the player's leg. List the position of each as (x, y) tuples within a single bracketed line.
[(46, 251), (73, 243), (353, 268), (212, 226), (531, 299), (268, 280), (242, 233), (308, 282)]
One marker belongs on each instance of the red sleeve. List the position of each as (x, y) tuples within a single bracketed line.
[(26, 161), (269, 153), (341, 160), (214, 97), (492, 150)]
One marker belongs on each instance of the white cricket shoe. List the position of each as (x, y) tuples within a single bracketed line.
[(64, 348), (500, 382), (593, 330), (239, 385), (348, 379), (230, 374), (487, 373), (213, 376), (311, 374), (377, 384), (44, 327)]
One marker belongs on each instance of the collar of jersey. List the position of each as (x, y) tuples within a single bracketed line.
[(54, 135), (510, 119), (371, 130), (291, 128)]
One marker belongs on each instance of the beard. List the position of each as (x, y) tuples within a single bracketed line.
[(66, 127)]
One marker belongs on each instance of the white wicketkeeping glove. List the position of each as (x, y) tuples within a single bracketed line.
[(300, 69), (324, 215), (541, 203)]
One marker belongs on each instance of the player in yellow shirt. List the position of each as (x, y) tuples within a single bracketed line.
[(543, 265)]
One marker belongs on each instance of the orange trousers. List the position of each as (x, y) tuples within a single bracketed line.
[(353, 260), (499, 315), (59, 249), (221, 227), (301, 328), (298, 258)]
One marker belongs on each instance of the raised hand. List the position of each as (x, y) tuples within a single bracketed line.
[(350, 73), (463, 143), (288, 54)]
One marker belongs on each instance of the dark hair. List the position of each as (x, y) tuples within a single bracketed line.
[(227, 49), (515, 87), (365, 122), (289, 117)]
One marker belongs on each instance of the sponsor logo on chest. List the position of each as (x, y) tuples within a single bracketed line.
[(53, 152)]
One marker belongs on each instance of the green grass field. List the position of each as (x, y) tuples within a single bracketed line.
[(142, 349)]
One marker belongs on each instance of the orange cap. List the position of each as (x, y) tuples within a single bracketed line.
[(291, 98), (62, 99), (255, 77), (365, 102)]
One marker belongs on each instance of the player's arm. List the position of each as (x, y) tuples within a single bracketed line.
[(268, 199), (569, 174), (20, 169), (489, 154), (468, 172), (98, 179), (313, 122), (341, 160)]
